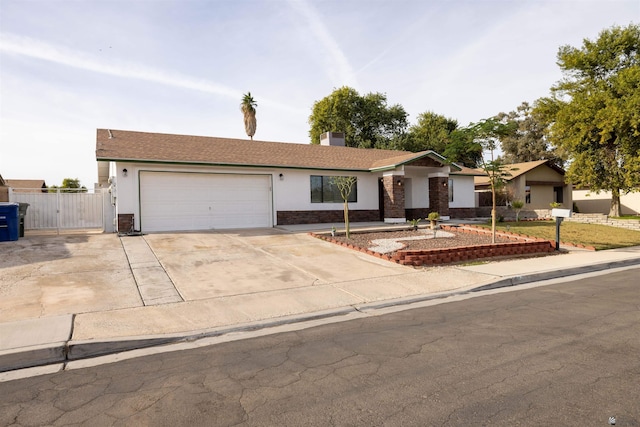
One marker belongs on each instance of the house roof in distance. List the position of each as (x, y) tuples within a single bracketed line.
[(26, 184), (517, 169), (130, 146)]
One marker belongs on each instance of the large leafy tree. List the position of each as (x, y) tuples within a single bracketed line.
[(366, 120), (431, 132), (463, 148), (69, 185), (528, 141), (596, 112), (442, 135), (248, 108)]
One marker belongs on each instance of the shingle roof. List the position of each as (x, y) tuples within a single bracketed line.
[(118, 145), (517, 169), (25, 183), (465, 171)]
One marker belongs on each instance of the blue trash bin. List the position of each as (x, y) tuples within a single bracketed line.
[(9, 221)]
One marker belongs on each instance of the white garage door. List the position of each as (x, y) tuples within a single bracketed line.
[(194, 201)]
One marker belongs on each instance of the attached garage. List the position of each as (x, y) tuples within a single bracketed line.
[(177, 201)]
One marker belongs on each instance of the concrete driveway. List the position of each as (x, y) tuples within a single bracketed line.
[(176, 282)]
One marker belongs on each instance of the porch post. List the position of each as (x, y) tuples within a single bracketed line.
[(393, 183), (439, 193)]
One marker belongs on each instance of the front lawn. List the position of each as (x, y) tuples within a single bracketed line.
[(598, 236)]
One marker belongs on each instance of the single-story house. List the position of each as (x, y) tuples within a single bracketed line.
[(538, 184), (163, 182), (27, 185)]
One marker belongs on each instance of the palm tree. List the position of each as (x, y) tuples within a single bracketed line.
[(248, 108)]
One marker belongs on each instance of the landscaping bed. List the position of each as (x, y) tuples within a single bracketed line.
[(448, 245)]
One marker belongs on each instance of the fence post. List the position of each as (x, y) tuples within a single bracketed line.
[(58, 211)]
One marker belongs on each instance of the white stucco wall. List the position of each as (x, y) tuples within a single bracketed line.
[(291, 193), (416, 192), (463, 192)]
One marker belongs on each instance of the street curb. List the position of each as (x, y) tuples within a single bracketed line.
[(557, 274), (28, 357), (63, 352)]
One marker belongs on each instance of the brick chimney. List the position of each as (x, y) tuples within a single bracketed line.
[(332, 138)]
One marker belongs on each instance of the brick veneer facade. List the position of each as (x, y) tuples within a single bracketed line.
[(462, 212), (417, 213), (393, 196), (318, 217), (439, 195), (125, 223)]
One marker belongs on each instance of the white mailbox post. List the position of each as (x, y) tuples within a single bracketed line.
[(559, 214)]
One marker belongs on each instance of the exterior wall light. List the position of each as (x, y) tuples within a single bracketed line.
[(281, 177), (124, 172), (400, 183)]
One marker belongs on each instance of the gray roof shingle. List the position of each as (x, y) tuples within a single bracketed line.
[(118, 145)]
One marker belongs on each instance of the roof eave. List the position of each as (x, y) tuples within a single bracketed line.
[(237, 165), (431, 154)]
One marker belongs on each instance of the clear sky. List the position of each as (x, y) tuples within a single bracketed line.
[(70, 67)]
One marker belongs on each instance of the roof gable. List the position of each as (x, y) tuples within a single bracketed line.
[(518, 169), (26, 183), (117, 145)]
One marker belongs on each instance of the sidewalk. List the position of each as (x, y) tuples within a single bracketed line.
[(170, 317)]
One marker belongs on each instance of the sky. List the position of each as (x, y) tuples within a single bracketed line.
[(69, 67)]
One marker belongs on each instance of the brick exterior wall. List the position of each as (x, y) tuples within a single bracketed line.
[(439, 195), (417, 213), (320, 217), (462, 213), (125, 223), (393, 196)]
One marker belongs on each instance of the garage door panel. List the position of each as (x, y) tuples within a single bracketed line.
[(188, 201)]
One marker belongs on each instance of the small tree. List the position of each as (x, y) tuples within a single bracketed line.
[(345, 186), (488, 133), (517, 205)]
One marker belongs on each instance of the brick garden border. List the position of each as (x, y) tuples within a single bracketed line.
[(521, 245)]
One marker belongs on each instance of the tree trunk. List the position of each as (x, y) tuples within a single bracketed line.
[(346, 219), (493, 214), (615, 203)]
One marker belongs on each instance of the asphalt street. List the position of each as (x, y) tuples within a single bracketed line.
[(564, 354)]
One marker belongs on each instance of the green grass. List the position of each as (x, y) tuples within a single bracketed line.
[(599, 236)]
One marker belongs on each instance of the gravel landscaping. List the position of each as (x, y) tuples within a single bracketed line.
[(422, 239)]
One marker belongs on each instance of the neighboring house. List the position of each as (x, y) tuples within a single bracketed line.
[(4, 190), (537, 183), (162, 182), (27, 185), (590, 202)]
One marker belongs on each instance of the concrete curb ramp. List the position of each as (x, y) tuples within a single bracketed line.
[(58, 348)]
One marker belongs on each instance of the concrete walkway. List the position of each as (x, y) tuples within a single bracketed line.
[(167, 288)]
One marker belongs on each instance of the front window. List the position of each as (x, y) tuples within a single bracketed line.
[(450, 190), (527, 194), (324, 190)]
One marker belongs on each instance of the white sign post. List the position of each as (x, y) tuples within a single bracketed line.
[(559, 214)]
